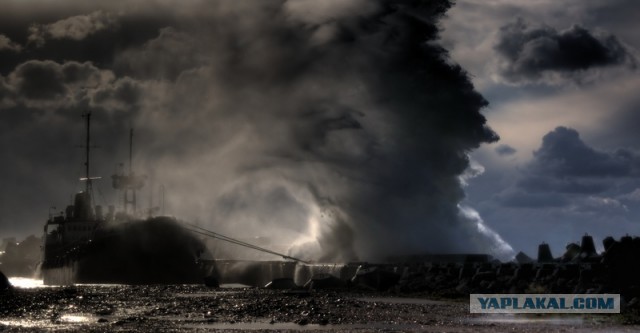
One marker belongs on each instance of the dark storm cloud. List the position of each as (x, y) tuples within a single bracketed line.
[(75, 27), (564, 154), (566, 172), (65, 34), (6, 95), (346, 114), (505, 150), (7, 44), (521, 199), (548, 183), (163, 57), (37, 81), (530, 52), (621, 128), (123, 94)]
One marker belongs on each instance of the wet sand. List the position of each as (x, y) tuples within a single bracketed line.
[(180, 308)]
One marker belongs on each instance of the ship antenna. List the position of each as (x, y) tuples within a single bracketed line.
[(128, 182), (87, 176), (131, 177), (88, 152), (130, 151)]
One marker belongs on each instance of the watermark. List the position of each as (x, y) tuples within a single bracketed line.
[(544, 303)]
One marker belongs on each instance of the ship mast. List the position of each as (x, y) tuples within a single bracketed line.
[(130, 151), (87, 201), (87, 166), (130, 201), (128, 183), (88, 184)]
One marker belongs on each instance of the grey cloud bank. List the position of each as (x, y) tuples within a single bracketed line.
[(341, 133), (531, 53), (537, 86), (505, 150), (566, 171)]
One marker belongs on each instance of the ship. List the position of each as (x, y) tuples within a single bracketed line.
[(88, 244)]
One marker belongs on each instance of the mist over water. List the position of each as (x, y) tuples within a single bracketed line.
[(338, 130)]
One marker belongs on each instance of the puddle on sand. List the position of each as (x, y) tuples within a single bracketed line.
[(503, 318), (206, 294), (234, 286), (77, 319), (404, 300), (548, 322), (26, 283), (26, 323), (225, 289), (264, 326), (64, 320)]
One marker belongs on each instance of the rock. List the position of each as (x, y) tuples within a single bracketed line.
[(483, 276), (586, 275), (105, 311), (4, 283), (463, 287), (587, 248), (633, 291), (544, 253), (466, 271), (523, 272), (281, 283), (506, 270), (484, 284), (573, 250), (211, 282), (522, 258), (608, 242), (375, 278), (544, 271), (324, 281)]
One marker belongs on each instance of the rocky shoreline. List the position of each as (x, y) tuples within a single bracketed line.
[(415, 296), (173, 308)]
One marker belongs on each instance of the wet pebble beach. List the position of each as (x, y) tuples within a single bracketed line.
[(195, 308)]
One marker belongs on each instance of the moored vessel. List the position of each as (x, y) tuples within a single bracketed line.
[(86, 244)]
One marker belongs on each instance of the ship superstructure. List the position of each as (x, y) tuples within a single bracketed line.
[(77, 224), (128, 183), (88, 244)]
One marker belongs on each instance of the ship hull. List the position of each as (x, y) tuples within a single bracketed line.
[(153, 251), (71, 273), (62, 275)]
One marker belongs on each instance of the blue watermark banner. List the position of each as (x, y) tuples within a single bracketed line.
[(544, 303)]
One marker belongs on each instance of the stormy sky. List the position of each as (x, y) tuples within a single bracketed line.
[(343, 129), (561, 78)]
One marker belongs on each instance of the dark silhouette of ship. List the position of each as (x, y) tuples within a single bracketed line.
[(86, 244)]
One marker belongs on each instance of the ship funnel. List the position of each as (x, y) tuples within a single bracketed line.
[(69, 212), (82, 207)]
